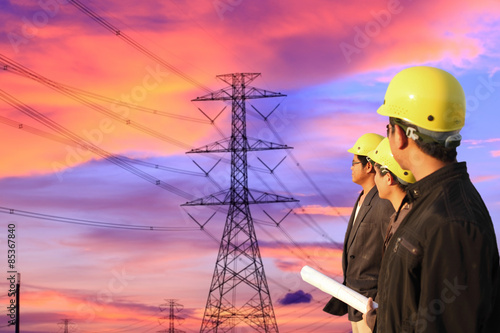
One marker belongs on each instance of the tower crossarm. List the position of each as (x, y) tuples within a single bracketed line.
[(224, 146), (227, 94), (265, 197), (224, 198), (253, 93), (219, 198), (235, 77), (219, 95), (257, 144), (221, 146)]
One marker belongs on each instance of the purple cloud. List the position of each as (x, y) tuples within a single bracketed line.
[(297, 297)]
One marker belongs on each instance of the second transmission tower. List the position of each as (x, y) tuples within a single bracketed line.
[(239, 293), (172, 307)]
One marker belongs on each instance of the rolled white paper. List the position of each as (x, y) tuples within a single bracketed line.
[(337, 290)]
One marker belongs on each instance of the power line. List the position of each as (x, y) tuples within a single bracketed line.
[(302, 170), (26, 72), (14, 67), (63, 140), (92, 223), (57, 138), (117, 32), (135, 106), (116, 102), (306, 177), (123, 36), (89, 146), (144, 163)]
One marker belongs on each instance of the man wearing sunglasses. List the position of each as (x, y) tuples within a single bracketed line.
[(365, 234), (391, 181), (440, 272)]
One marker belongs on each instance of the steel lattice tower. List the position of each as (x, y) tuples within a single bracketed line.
[(66, 323), (239, 294), (172, 307)]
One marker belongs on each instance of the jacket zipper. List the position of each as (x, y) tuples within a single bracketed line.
[(410, 247)]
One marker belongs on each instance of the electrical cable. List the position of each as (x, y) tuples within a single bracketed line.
[(89, 146), (24, 71), (92, 223), (53, 137), (122, 35)]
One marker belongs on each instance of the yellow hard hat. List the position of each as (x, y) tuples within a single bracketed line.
[(365, 144), (383, 156), (427, 97)]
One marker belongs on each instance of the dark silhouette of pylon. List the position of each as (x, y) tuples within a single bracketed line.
[(67, 325), (239, 293), (172, 307)]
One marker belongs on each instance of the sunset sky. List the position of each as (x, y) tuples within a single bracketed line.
[(333, 60)]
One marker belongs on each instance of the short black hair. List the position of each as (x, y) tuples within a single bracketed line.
[(438, 151), (433, 149), (402, 186), (363, 160)]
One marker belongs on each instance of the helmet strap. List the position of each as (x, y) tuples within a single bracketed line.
[(453, 141), (415, 133)]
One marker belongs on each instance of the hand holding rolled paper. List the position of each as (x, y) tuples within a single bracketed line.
[(337, 290)]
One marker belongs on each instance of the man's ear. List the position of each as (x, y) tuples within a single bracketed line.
[(369, 168), (400, 138), (389, 178)]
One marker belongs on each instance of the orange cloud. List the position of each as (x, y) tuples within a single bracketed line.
[(327, 257), (97, 312), (302, 41)]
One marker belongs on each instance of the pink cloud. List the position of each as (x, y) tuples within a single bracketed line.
[(485, 178), (90, 313), (294, 44), (479, 142), (301, 44)]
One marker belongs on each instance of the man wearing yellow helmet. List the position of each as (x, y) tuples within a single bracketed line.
[(441, 271), (365, 234), (391, 181)]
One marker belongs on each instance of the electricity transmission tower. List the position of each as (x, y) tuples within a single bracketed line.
[(239, 293), (172, 307), (67, 325)]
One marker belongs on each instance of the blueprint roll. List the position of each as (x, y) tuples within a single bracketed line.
[(337, 290)]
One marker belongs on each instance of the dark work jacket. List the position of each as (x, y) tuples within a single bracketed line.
[(362, 253), (440, 272)]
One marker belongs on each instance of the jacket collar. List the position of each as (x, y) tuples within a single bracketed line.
[(430, 182), (369, 196)]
